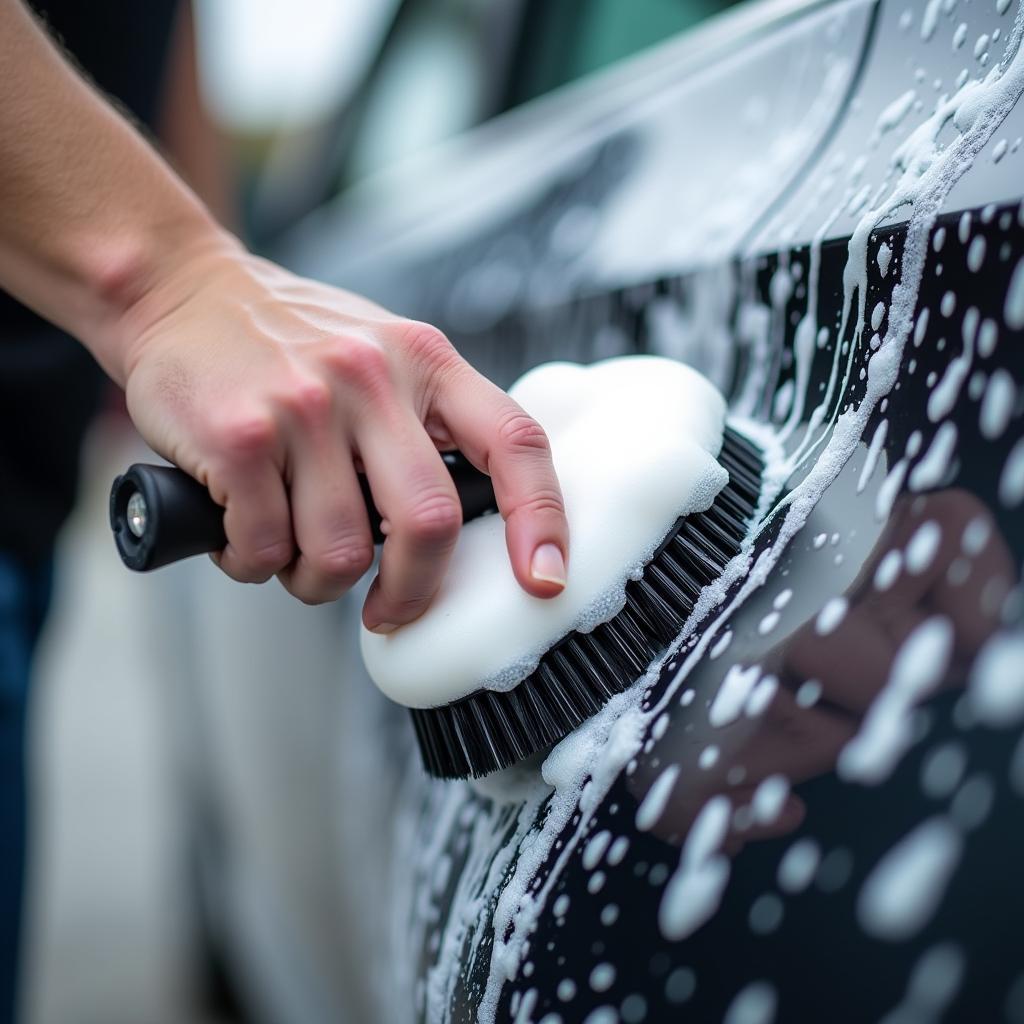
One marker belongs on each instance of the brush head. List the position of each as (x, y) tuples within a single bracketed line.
[(634, 441), (489, 729)]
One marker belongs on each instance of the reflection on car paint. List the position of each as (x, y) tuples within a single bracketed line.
[(844, 689)]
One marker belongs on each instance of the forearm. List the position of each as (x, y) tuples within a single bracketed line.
[(90, 216)]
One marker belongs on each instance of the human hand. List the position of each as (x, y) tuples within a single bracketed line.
[(272, 390)]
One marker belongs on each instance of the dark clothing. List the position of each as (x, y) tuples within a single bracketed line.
[(49, 385), (24, 597), (49, 390)]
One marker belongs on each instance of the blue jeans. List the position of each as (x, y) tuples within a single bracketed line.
[(24, 597)]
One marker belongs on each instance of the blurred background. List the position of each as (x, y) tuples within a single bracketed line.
[(304, 99)]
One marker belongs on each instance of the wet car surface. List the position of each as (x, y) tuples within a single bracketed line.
[(810, 809)]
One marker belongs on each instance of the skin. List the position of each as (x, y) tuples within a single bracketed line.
[(270, 389)]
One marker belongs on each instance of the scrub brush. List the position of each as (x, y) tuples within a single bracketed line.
[(159, 515), (491, 729)]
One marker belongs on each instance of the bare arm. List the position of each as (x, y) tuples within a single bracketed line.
[(89, 211), (264, 386)]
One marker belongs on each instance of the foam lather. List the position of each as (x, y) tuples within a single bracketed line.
[(634, 441)]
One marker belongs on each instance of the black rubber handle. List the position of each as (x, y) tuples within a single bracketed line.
[(159, 514)]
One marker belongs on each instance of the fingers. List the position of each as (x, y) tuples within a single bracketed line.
[(256, 514), (421, 517), (500, 438), (332, 530)]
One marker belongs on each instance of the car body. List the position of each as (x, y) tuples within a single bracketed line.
[(809, 809)]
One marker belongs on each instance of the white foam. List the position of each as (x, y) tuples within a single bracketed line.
[(507, 858), (634, 441), (831, 615), (976, 253), (655, 801), (988, 335), (933, 465), (761, 696), (997, 404), (595, 849), (997, 680), (708, 758), (922, 547), (893, 114), (1011, 480), (694, 891), (877, 315), (754, 1004), (1014, 308), (883, 258), (602, 977), (874, 450), (734, 692), (618, 850), (930, 19), (976, 535), (943, 769), (906, 886), (934, 982), (808, 693), (798, 865), (886, 731), (947, 391), (769, 799)]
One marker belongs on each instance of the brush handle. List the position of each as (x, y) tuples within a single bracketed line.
[(159, 514)]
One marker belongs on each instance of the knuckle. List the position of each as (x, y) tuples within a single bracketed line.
[(358, 362), (434, 520), (309, 399), (425, 343), (244, 434), (546, 500), (269, 558), (342, 564), (520, 433)]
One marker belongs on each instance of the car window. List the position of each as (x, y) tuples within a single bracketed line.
[(563, 41), (442, 70)]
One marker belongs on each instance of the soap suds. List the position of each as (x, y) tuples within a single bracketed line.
[(1013, 311), (733, 694), (1011, 480), (932, 467), (905, 888), (883, 258), (507, 855), (997, 404), (755, 1004), (693, 892), (831, 615), (634, 441), (922, 547), (997, 680), (943, 769), (656, 799), (799, 865), (874, 450), (886, 731)]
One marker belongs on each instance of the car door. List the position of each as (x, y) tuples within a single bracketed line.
[(808, 808)]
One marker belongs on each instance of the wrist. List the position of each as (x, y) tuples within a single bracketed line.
[(136, 278)]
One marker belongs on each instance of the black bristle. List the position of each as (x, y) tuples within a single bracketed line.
[(493, 729)]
